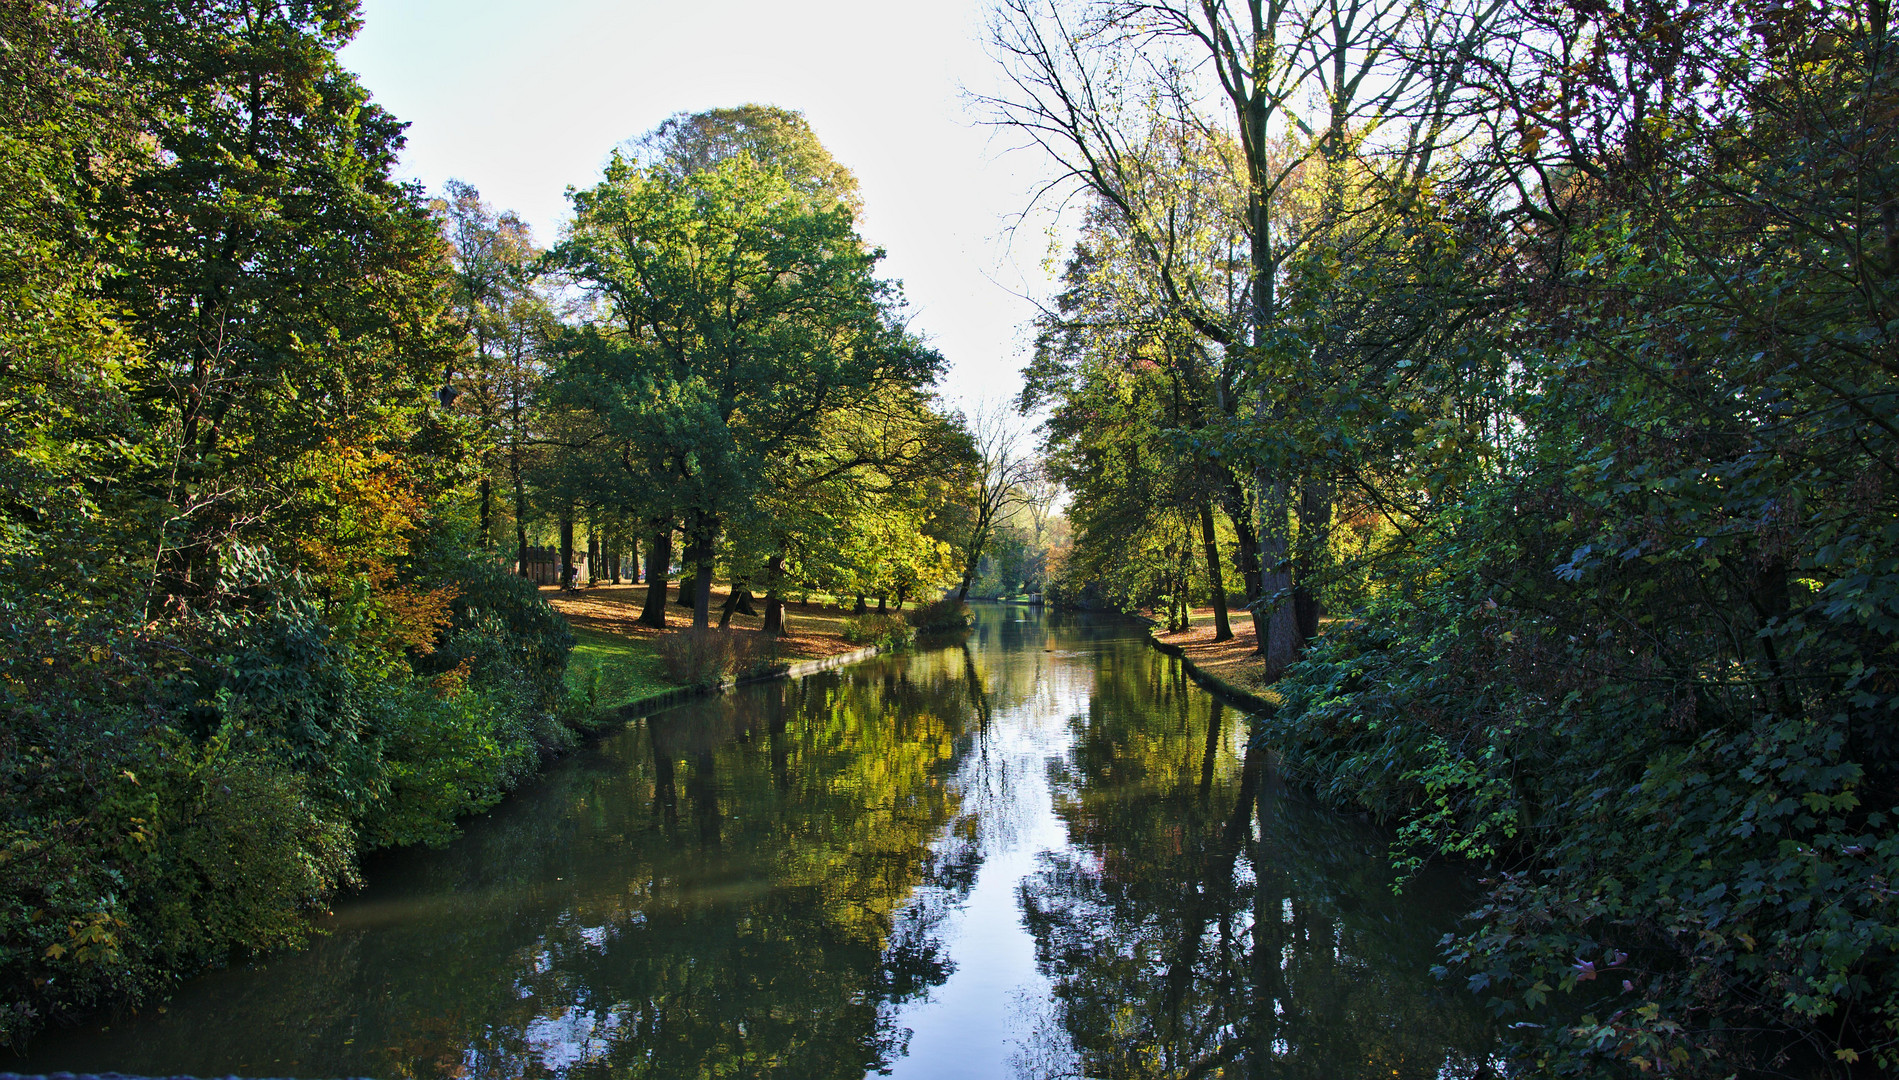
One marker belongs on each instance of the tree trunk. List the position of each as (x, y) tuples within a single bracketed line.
[(774, 600), (702, 543), (978, 539), (486, 487), (659, 557), (520, 511), (727, 609), (1216, 581), (593, 552), (1315, 528), (1183, 608), (567, 572), (883, 604), (1275, 617), (861, 605), (702, 594), (1233, 501)]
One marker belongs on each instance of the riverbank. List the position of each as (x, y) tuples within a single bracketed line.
[(616, 661), (1230, 668)]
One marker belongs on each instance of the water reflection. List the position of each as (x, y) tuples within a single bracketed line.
[(1037, 852), (1203, 921)]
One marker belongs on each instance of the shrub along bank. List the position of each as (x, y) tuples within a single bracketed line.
[(177, 797), (1675, 760)]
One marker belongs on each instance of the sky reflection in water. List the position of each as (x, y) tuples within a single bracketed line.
[(1040, 853)]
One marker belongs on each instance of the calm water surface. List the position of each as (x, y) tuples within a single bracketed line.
[(1041, 853)]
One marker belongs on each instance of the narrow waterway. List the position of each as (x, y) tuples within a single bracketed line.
[(1040, 853)]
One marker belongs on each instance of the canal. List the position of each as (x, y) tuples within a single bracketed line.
[(1041, 852)]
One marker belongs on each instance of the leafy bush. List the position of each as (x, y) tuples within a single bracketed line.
[(884, 631), (176, 794), (239, 849), (1689, 847), (511, 643), (445, 757), (944, 615)]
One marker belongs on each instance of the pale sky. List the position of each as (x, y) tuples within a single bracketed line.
[(524, 99)]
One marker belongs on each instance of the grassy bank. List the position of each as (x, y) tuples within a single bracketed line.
[(610, 670), (617, 661)]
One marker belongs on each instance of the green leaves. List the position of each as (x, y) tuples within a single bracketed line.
[(739, 317)]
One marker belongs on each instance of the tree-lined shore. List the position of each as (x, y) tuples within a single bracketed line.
[(1503, 389)]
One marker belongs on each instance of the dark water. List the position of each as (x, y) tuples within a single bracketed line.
[(1044, 853)]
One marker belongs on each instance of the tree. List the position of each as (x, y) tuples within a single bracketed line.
[(857, 512), (1285, 85), (1118, 365), (780, 140), (284, 284), (735, 318), (1630, 559), (510, 323), (246, 640), (66, 420), (996, 485)]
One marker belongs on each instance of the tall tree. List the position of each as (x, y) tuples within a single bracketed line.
[(509, 323), (1288, 84), (284, 283), (736, 315), (65, 421), (781, 140)]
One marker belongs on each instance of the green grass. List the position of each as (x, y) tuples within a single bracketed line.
[(626, 669)]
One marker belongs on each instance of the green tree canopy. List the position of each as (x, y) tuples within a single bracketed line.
[(780, 139), (733, 318)]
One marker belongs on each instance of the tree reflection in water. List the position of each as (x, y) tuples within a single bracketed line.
[(1204, 922), (723, 889), (775, 883)]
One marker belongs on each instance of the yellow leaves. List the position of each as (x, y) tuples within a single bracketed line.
[(90, 940), (1847, 1054), (417, 615), (368, 507), (368, 504), (454, 681)]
